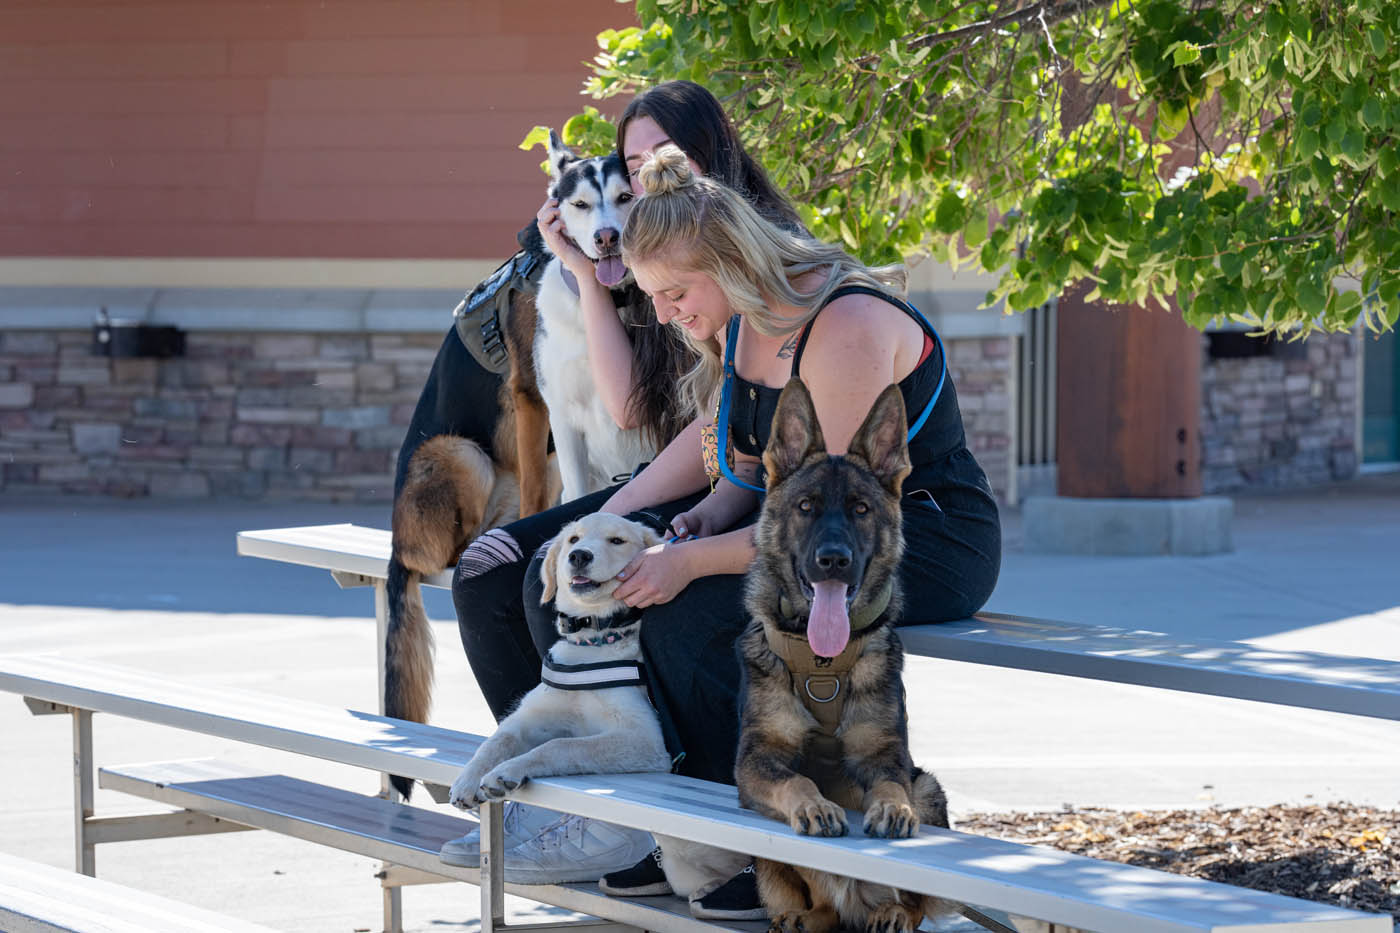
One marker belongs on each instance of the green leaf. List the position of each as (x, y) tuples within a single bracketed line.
[(538, 136), (1311, 298), (1184, 53), (948, 217), (1371, 113), (1387, 162)]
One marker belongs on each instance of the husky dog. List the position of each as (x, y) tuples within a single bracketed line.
[(450, 488), (594, 198), (823, 725)]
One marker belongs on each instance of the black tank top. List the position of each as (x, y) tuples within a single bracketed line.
[(938, 453)]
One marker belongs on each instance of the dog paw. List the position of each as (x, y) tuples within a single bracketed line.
[(789, 921), (500, 781), (819, 818), (463, 794), (891, 918), (890, 820)]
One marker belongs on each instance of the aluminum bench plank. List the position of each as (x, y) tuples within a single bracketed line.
[(1028, 880), (1034, 881), (348, 548), (374, 827), (1310, 679), (426, 753), (1361, 686), (37, 898)]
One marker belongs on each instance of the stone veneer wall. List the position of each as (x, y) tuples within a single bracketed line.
[(311, 416), (254, 415), (1280, 421), (981, 371)]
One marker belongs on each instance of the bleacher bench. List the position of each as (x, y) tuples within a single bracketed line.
[(37, 898), (358, 556), (1017, 879)]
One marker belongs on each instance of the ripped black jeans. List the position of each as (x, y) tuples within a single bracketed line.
[(950, 565)]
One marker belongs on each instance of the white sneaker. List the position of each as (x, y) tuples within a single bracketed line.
[(519, 824), (576, 849)]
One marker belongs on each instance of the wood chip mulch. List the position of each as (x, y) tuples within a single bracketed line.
[(1335, 853)]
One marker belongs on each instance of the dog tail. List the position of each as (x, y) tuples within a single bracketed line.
[(408, 654), (928, 799)]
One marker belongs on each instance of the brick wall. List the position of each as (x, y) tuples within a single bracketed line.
[(226, 128), (314, 416), (1280, 421)]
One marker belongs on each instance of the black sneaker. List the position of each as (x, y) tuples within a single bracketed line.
[(644, 879), (736, 899)]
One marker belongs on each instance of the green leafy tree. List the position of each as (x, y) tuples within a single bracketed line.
[(1238, 156)]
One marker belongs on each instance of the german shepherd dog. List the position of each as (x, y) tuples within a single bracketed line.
[(823, 720)]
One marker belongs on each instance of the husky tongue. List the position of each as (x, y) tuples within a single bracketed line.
[(828, 626), (610, 270)]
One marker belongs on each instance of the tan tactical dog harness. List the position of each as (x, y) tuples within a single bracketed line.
[(820, 683)]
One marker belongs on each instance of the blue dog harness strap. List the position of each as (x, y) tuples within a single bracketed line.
[(597, 676), (727, 386)]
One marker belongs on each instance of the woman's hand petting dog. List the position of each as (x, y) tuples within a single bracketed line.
[(550, 222), (655, 576)]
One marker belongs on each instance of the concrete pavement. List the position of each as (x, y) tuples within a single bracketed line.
[(156, 585)]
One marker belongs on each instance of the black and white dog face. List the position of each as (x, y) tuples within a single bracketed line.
[(594, 198)]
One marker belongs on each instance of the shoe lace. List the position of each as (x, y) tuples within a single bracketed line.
[(569, 824)]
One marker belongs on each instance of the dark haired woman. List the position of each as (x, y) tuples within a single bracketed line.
[(504, 649)]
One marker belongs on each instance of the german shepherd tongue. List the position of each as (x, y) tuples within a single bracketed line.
[(829, 625), (610, 270)]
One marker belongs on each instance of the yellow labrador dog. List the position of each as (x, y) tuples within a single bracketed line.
[(590, 714)]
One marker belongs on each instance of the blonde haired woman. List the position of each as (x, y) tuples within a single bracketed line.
[(763, 304)]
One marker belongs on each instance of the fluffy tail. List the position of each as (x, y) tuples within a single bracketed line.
[(408, 655)]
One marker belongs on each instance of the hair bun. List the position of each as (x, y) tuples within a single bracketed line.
[(665, 170)]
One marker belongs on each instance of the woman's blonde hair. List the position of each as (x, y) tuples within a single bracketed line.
[(696, 223)]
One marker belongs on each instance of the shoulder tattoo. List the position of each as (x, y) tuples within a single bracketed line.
[(789, 348)]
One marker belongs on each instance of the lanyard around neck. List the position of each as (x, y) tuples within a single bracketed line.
[(731, 343)]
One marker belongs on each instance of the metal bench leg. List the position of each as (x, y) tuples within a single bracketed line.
[(85, 852), (393, 894), (493, 872)]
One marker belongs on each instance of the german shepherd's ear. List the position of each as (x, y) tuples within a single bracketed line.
[(882, 443), (560, 156), (796, 437), (549, 570)]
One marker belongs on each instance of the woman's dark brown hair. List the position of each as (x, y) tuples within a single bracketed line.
[(694, 121)]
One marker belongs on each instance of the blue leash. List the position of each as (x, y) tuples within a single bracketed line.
[(726, 388)]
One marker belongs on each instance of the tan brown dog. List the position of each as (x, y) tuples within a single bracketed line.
[(449, 488), (823, 723)]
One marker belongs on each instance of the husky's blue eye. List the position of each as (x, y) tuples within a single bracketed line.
[(804, 504)]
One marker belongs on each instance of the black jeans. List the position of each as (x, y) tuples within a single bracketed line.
[(950, 565)]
